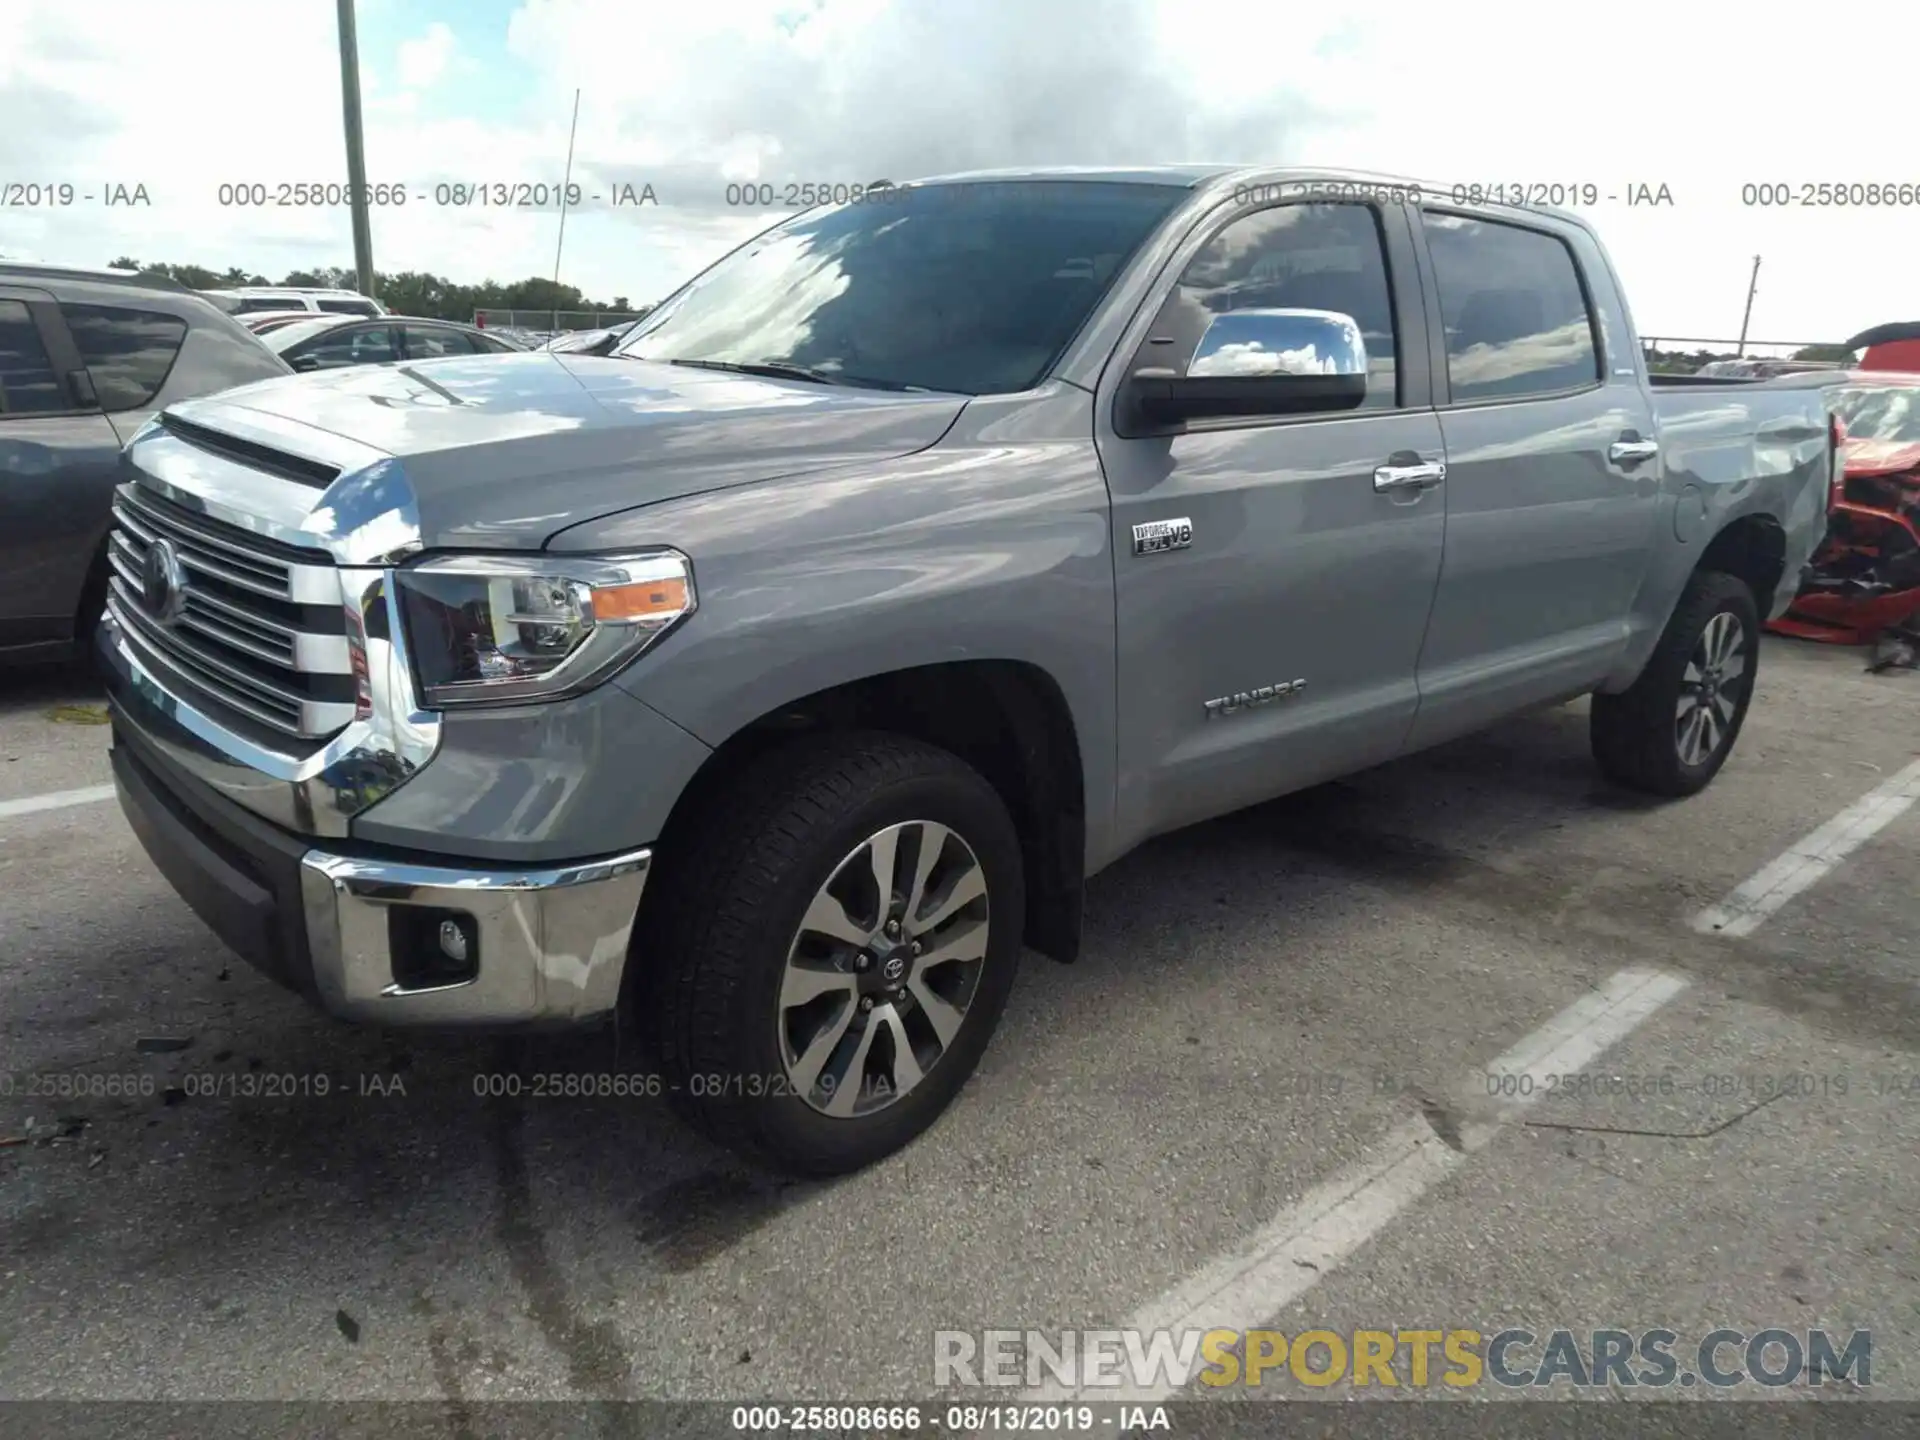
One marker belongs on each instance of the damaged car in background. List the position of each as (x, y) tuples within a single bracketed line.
[(1863, 584)]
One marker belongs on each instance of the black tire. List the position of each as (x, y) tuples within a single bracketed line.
[(713, 944), (1636, 734)]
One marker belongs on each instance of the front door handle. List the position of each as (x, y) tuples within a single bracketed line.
[(1423, 476), (1632, 452)]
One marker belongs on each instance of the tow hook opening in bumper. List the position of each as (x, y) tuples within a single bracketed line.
[(407, 944)]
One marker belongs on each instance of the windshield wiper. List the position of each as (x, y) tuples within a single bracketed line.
[(777, 369), (783, 370)]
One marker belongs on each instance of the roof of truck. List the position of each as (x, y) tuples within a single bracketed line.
[(1120, 175), (1191, 174), (1195, 176)]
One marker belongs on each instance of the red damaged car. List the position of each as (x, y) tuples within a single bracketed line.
[(1864, 580)]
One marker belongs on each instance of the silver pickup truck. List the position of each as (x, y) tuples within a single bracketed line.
[(769, 682)]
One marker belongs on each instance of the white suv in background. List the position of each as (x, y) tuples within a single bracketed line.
[(284, 297)]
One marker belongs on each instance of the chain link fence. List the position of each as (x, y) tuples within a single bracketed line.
[(1753, 348), (1753, 358)]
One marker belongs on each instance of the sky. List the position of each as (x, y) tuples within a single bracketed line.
[(1702, 98)]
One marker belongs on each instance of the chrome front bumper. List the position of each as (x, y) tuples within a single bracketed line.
[(552, 942)]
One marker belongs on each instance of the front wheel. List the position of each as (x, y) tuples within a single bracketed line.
[(834, 946), (1670, 733)]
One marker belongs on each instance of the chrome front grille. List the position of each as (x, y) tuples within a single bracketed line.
[(260, 629)]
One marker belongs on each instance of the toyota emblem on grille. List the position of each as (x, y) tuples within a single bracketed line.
[(163, 583)]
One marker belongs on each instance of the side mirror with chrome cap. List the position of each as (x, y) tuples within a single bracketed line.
[(1260, 362)]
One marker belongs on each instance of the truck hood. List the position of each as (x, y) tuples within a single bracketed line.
[(505, 451)]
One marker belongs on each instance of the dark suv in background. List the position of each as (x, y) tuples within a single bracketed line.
[(86, 356)]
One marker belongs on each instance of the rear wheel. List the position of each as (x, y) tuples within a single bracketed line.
[(833, 949), (1670, 733)]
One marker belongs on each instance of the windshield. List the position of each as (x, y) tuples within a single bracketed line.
[(971, 288), (1880, 413)]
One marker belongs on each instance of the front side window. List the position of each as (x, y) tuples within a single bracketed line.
[(1516, 315), (1291, 257), (128, 352), (28, 384), (968, 288)]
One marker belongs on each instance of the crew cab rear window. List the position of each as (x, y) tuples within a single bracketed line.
[(348, 307), (1313, 257), (1516, 315), (28, 385), (128, 352), (249, 304)]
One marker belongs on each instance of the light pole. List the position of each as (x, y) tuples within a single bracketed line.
[(1753, 286), (560, 240), (356, 155)]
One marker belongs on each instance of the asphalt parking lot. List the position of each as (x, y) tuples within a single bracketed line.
[(1264, 1002)]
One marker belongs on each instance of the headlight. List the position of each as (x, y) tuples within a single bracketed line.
[(493, 629)]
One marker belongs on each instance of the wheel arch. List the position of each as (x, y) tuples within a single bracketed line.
[(1008, 719), (1752, 549)]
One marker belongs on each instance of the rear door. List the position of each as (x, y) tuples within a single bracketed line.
[(58, 455), (1553, 477), (1305, 584)]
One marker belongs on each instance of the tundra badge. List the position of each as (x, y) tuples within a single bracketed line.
[(1246, 699), (1158, 536)]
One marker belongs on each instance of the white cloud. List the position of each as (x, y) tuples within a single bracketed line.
[(423, 60), (1700, 97)]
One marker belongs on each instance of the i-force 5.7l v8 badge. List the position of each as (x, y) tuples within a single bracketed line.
[(1157, 536)]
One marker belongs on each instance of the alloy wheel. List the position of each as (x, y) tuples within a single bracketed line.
[(1711, 689), (882, 969)]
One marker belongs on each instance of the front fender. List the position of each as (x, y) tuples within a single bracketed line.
[(992, 545)]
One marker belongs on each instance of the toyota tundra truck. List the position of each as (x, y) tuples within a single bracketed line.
[(767, 684)]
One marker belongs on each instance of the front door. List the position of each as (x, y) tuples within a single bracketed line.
[(1274, 574)]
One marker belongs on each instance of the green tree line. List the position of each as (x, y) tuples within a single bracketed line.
[(409, 292)]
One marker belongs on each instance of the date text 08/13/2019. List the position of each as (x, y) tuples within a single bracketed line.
[(444, 194)]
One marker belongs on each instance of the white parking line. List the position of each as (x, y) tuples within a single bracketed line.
[(1297, 1249), (57, 800), (1810, 857)]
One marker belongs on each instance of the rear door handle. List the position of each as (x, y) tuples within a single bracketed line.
[(1632, 452), (1423, 476)]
